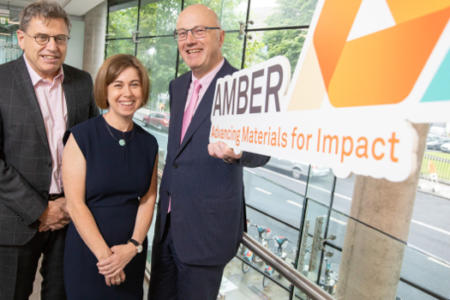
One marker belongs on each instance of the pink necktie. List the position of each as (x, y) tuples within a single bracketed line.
[(187, 117)]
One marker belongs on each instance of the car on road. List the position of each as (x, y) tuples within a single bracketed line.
[(433, 143), (445, 147), (296, 169), (141, 113), (158, 120)]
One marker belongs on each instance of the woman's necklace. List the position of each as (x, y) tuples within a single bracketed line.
[(122, 141)]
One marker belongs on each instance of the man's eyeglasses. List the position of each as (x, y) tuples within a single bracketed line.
[(43, 39), (198, 32)]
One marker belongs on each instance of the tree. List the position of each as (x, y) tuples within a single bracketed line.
[(287, 42), (157, 48)]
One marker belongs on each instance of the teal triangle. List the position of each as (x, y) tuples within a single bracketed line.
[(439, 88)]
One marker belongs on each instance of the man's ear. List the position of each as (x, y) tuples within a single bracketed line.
[(21, 38), (221, 37)]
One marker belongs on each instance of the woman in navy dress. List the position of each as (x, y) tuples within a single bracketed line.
[(109, 175)]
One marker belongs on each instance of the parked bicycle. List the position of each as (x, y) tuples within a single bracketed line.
[(329, 281), (281, 243), (263, 237), (247, 254)]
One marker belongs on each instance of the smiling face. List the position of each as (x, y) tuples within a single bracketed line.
[(125, 94), (201, 55), (46, 59)]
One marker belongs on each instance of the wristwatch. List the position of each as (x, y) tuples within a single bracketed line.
[(139, 247)]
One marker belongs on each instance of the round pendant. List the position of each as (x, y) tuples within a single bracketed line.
[(122, 142)]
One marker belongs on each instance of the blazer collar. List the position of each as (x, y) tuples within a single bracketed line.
[(26, 90), (70, 94), (177, 108)]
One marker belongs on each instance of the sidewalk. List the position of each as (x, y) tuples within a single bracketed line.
[(434, 187)]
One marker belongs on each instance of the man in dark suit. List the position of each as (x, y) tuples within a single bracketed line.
[(201, 201), (39, 99)]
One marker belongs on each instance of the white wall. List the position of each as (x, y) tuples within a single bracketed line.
[(94, 41), (76, 44)]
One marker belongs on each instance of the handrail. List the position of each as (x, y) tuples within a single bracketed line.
[(298, 280)]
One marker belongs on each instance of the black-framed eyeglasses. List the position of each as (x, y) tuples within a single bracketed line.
[(43, 39), (198, 32)]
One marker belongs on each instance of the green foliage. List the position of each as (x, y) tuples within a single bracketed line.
[(159, 56), (227, 10), (119, 46), (288, 42), (158, 17), (256, 52), (292, 13), (122, 23)]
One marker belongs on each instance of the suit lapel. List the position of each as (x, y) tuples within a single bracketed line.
[(204, 108), (69, 94), (26, 93), (177, 109)]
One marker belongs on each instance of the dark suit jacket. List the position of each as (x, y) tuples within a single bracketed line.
[(25, 161), (207, 217)]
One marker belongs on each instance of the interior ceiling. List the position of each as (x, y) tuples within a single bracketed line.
[(72, 7)]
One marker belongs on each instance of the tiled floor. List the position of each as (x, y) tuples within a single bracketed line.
[(237, 285)]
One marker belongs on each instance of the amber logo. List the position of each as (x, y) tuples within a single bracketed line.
[(367, 69), (380, 67), (369, 52)]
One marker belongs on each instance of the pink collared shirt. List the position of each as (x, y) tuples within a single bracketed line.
[(205, 81), (51, 99)]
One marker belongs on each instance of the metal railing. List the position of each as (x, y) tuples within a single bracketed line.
[(298, 280)]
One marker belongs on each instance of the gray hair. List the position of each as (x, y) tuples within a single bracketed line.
[(42, 9)]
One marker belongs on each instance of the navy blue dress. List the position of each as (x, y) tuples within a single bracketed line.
[(116, 177)]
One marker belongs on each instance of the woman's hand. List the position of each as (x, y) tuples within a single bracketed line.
[(116, 280), (121, 255)]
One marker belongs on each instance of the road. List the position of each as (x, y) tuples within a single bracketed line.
[(429, 234), (278, 194)]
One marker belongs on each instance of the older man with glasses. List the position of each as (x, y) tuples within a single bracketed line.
[(201, 214), (40, 98)]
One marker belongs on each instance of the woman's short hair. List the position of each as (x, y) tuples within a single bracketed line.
[(111, 69), (42, 9)]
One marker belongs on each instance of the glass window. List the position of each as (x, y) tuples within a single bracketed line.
[(232, 49), (266, 191), (125, 46), (122, 19), (229, 12), (428, 272), (158, 17), (159, 56), (269, 13), (9, 47), (343, 194), (321, 181), (263, 45)]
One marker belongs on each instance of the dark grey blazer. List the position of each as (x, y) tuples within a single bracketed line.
[(25, 161)]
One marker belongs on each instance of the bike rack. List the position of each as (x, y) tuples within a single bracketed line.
[(298, 280)]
